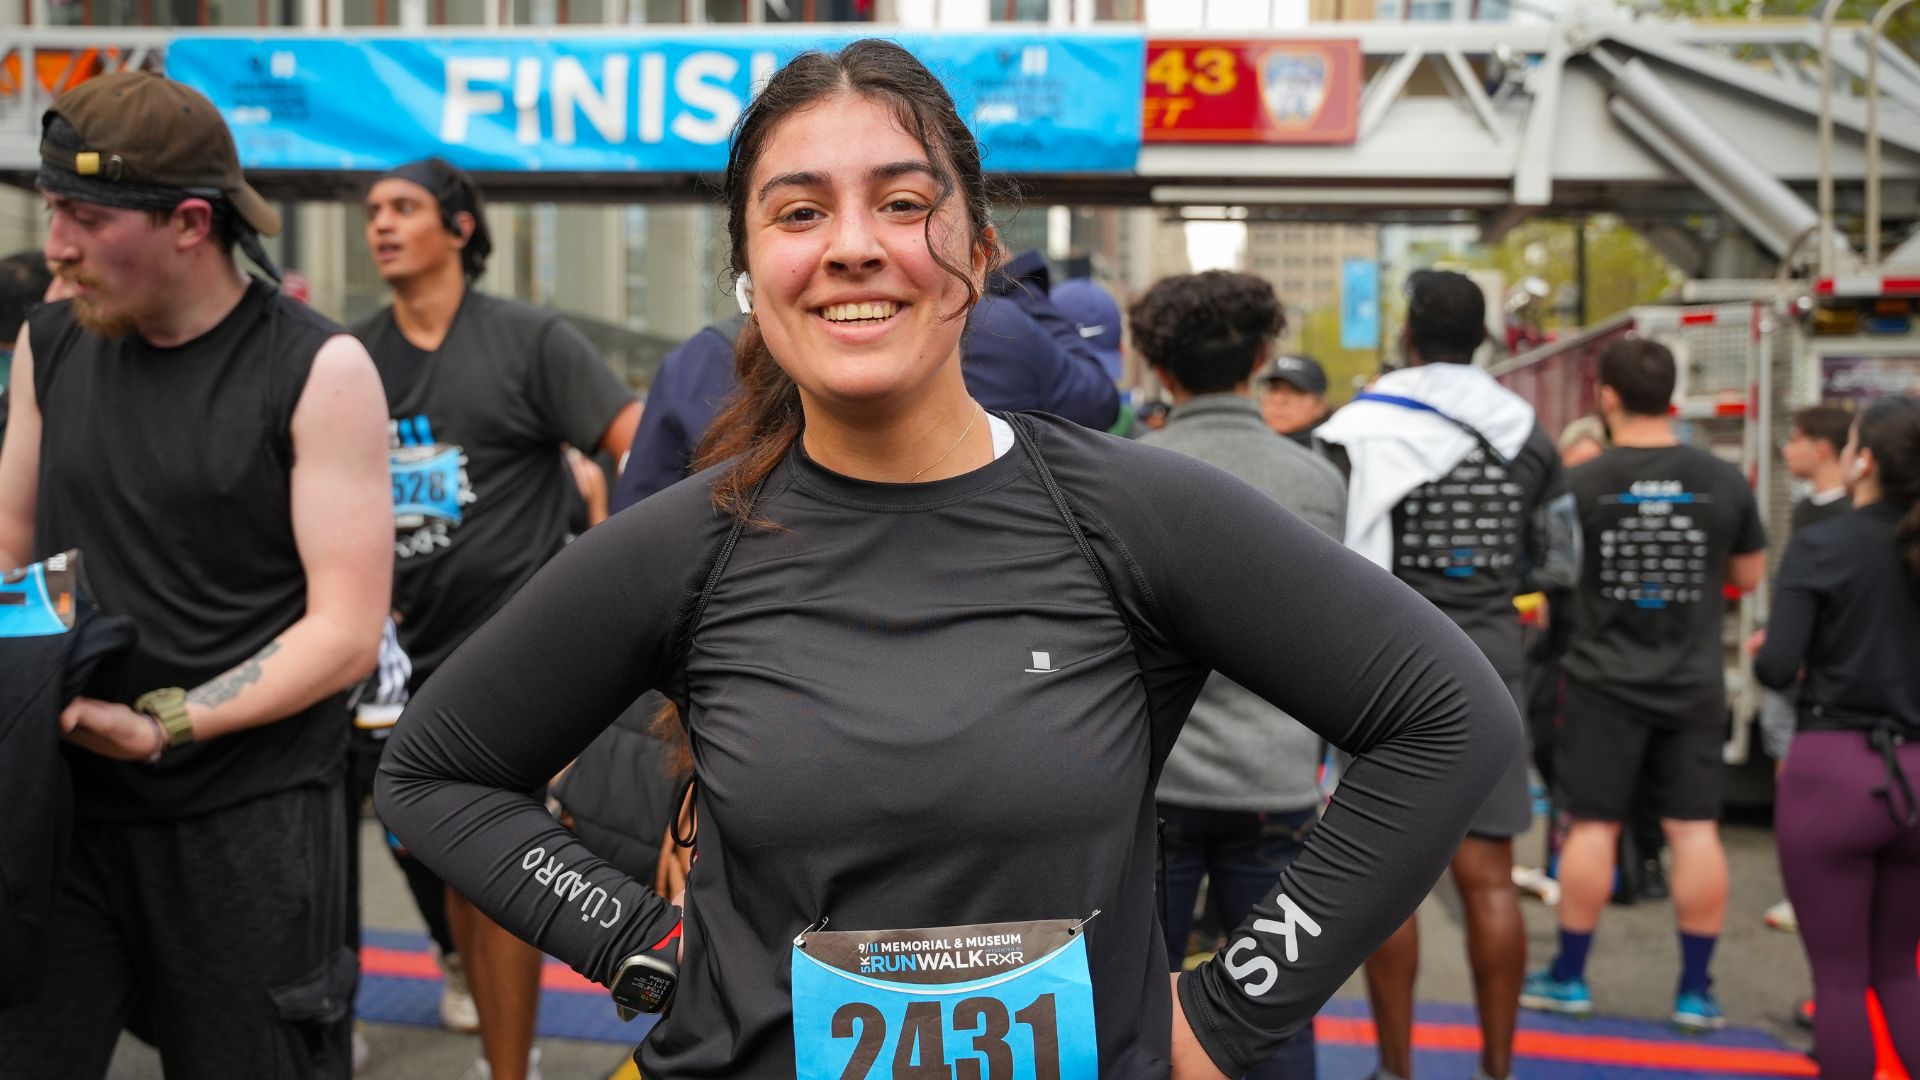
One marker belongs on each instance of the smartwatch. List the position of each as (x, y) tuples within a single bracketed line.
[(644, 983), (169, 706)]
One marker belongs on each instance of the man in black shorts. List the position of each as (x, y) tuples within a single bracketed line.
[(1666, 527), (1458, 491), (484, 393), (214, 448)]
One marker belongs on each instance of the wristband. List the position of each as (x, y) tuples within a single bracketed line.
[(160, 729)]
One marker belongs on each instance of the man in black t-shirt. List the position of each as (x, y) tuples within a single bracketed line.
[(214, 447), (1666, 527), (1458, 491), (484, 395)]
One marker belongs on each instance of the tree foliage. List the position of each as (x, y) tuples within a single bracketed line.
[(1903, 29), (1622, 269), (1318, 335)]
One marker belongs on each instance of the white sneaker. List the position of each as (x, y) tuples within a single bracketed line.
[(1535, 882), (483, 1071), (457, 1010), (1781, 917)]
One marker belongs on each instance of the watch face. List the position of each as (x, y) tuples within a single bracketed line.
[(644, 991)]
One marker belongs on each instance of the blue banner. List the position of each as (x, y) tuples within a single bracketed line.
[(1359, 304), (1058, 103)]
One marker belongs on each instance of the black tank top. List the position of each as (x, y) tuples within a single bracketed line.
[(170, 468)]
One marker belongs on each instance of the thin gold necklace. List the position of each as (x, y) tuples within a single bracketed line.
[(955, 446)]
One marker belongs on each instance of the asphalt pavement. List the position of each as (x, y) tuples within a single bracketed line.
[(1760, 973)]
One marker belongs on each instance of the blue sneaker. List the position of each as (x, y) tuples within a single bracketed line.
[(1695, 1013), (1568, 997)]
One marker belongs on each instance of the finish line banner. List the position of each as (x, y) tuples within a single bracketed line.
[(1059, 103)]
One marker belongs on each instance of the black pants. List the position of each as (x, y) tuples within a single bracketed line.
[(222, 932)]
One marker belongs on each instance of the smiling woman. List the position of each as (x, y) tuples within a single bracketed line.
[(929, 663), (841, 199)]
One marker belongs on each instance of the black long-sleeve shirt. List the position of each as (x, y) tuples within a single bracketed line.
[(1844, 608), (915, 706)]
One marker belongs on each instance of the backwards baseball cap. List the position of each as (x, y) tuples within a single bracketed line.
[(141, 141), (1097, 315), (1301, 372)]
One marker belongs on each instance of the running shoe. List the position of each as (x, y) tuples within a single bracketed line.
[(457, 1010), (1537, 883), (482, 1071), (1695, 1013), (1780, 917), (1568, 997)]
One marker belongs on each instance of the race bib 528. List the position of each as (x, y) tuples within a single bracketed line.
[(426, 484)]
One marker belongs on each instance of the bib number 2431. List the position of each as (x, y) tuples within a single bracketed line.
[(1006, 1001)]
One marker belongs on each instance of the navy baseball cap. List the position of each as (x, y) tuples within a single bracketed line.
[(1301, 372), (1094, 310)]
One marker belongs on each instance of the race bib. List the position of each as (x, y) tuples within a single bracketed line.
[(426, 485), (38, 601), (1002, 1001)]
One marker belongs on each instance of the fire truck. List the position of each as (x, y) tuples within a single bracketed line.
[(1833, 327)]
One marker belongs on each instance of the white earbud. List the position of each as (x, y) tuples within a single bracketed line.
[(1859, 470), (743, 293)]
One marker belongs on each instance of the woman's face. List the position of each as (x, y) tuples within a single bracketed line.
[(846, 291)]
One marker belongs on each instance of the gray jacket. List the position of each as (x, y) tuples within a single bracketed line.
[(1237, 752)]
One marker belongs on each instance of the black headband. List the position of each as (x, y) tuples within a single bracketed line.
[(127, 195), (445, 188)]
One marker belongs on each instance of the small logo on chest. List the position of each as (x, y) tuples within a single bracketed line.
[(1042, 664)]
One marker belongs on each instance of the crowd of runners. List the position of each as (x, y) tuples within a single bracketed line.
[(887, 687)]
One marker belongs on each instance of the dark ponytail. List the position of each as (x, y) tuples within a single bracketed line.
[(760, 423), (1890, 427), (757, 427)]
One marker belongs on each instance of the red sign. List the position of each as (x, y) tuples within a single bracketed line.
[(1252, 92)]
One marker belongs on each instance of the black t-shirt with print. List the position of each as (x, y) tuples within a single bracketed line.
[(914, 705), (1659, 524), (1463, 542), (479, 480)]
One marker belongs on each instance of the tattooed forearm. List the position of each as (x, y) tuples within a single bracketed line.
[(225, 687)]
